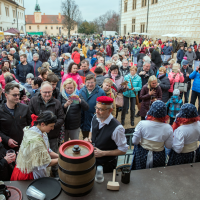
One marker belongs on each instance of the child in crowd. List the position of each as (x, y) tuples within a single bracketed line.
[(174, 104), (107, 84), (27, 85), (53, 79)]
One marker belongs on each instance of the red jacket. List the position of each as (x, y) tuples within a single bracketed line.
[(76, 57), (177, 79), (109, 51), (2, 80)]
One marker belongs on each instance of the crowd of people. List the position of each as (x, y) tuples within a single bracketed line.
[(57, 89)]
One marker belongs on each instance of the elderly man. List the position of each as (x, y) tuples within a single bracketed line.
[(36, 63), (89, 92), (191, 56), (45, 101), (125, 68), (23, 69), (14, 53), (186, 70), (107, 134), (84, 70), (91, 53), (14, 116)]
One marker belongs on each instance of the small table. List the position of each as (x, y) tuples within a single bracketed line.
[(180, 182)]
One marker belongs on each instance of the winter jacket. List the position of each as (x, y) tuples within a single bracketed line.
[(110, 94), (76, 77), (73, 112), (2, 80), (44, 55), (135, 51), (66, 48), (197, 55), (84, 51), (35, 66), (56, 70), (156, 58), (100, 79), (187, 80), (177, 79), (196, 83), (109, 51), (16, 56), (12, 126), (29, 89), (83, 74), (21, 72), (76, 57), (93, 61), (146, 99), (72, 47), (165, 86), (37, 105), (137, 84), (66, 64), (5, 168), (145, 77), (174, 104), (167, 50), (86, 116), (191, 56), (91, 53), (180, 55), (55, 50), (124, 71), (130, 47)]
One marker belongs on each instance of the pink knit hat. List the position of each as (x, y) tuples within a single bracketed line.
[(185, 58)]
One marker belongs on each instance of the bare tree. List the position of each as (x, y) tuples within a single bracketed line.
[(71, 13)]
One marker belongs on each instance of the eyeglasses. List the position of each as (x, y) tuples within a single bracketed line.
[(15, 95), (90, 83), (47, 92), (100, 109)]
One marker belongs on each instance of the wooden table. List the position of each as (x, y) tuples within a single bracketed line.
[(179, 182)]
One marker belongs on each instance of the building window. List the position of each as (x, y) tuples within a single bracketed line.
[(45, 27), (124, 29), (125, 6), (14, 14), (133, 25), (134, 4), (56, 27), (154, 1), (144, 3), (29, 27), (51, 27), (142, 28), (7, 11)]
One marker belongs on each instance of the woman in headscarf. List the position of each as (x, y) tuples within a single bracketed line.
[(150, 138), (185, 148)]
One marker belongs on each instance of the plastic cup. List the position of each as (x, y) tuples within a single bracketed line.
[(34, 192)]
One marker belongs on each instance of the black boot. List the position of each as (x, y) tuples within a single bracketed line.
[(132, 123), (122, 122), (138, 114)]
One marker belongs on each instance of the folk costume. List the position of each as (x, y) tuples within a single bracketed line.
[(185, 148), (150, 138), (33, 158), (108, 135)]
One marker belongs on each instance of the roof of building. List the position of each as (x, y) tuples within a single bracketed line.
[(11, 1), (46, 19)]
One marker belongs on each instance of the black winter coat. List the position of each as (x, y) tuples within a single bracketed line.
[(37, 105), (197, 55), (73, 117), (156, 58), (16, 56), (21, 72), (5, 168), (145, 77), (165, 86), (187, 80), (11, 127)]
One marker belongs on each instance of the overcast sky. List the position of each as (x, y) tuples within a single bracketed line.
[(90, 9)]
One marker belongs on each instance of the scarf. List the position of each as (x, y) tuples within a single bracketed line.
[(33, 152), (66, 95), (54, 64)]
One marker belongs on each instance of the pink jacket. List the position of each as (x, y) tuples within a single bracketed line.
[(172, 80), (109, 51), (76, 77)]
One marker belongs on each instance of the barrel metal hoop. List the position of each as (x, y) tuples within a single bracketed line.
[(77, 186), (76, 161), (77, 172), (78, 195)]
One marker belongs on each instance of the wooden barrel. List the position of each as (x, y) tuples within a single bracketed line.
[(76, 167)]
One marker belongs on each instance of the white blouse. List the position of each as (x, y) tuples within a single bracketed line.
[(186, 134), (153, 131), (39, 172)]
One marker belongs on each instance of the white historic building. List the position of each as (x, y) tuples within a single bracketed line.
[(159, 17), (12, 15)]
